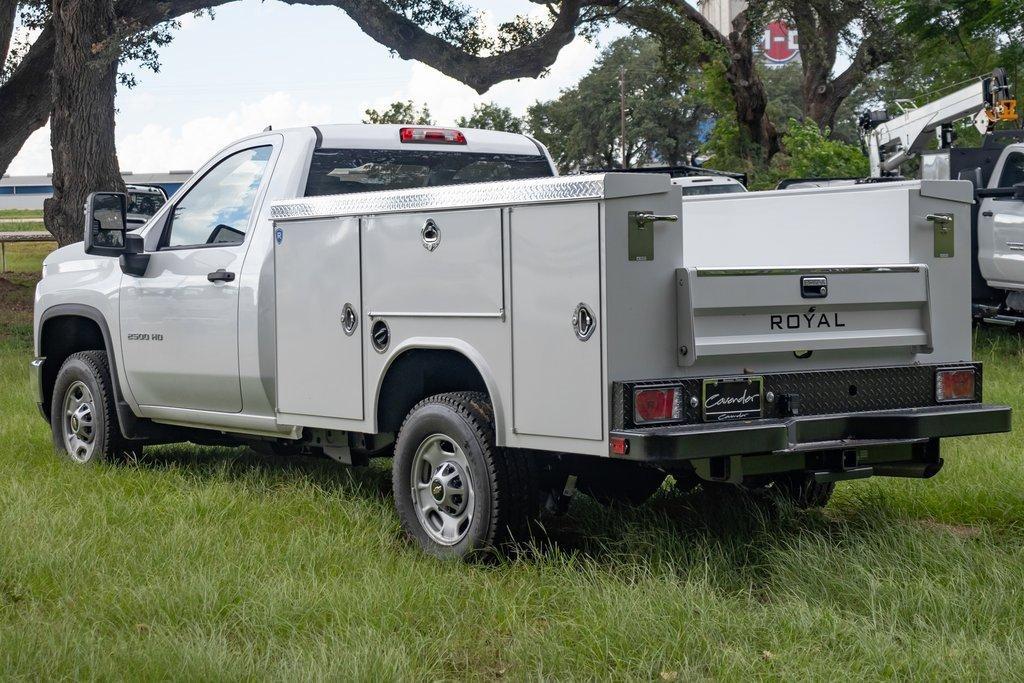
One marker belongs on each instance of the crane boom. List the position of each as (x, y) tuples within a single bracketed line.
[(892, 142)]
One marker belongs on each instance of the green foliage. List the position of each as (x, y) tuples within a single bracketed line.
[(582, 126), (809, 153), (398, 113), (491, 116)]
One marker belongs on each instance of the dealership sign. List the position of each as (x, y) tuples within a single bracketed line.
[(780, 43)]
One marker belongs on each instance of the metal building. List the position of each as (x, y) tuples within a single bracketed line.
[(29, 191)]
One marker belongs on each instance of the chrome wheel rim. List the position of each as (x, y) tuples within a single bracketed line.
[(442, 489), (79, 422)]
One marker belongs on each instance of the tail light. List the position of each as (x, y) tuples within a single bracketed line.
[(954, 385), (433, 136), (657, 404)]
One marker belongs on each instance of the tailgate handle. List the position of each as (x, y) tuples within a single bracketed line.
[(813, 287)]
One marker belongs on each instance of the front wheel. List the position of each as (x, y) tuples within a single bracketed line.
[(82, 414), (456, 492)]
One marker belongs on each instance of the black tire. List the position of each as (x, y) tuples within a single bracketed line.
[(800, 490), (502, 495), (612, 482), (86, 374)]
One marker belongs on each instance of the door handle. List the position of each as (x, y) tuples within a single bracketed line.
[(987, 214), (220, 275)]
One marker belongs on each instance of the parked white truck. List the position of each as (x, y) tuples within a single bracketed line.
[(514, 340)]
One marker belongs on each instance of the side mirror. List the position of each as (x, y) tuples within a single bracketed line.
[(1018, 191), (106, 223), (134, 260)]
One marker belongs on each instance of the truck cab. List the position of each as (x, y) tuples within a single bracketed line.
[(508, 336), (1001, 227)]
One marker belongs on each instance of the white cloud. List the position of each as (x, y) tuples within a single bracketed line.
[(34, 157), (162, 148)]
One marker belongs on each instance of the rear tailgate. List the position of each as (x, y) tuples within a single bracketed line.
[(734, 311), (881, 270)]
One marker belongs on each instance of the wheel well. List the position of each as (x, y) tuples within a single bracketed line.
[(61, 337), (419, 373)]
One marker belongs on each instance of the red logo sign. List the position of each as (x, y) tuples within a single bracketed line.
[(780, 43)]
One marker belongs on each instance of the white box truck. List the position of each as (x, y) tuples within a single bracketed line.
[(509, 336)]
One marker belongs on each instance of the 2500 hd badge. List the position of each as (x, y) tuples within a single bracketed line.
[(805, 321)]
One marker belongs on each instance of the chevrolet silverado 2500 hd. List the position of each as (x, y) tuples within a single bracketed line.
[(510, 336)]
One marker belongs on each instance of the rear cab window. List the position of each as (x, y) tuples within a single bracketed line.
[(343, 171)]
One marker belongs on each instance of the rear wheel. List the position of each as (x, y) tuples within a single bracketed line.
[(456, 492), (82, 414)]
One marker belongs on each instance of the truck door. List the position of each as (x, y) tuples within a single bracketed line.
[(1001, 228), (179, 322)]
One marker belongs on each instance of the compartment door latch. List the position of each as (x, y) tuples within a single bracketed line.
[(943, 224), (641, 233)]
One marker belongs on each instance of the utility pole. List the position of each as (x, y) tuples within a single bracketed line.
[(622, 115)]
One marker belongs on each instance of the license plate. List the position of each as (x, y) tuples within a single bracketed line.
[(734, 398)]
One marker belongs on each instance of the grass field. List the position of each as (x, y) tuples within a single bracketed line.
[(20, 220), (223, 564)]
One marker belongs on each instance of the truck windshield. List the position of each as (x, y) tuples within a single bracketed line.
[(341, 171)]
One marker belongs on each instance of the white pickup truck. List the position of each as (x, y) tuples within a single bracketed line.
[(510, 336)]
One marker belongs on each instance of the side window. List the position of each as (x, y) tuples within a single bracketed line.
[(1013, 170), (217, 208)]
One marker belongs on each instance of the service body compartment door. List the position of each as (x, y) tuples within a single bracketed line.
[(319, 352), (745, 311), (556, 265), (434, 264)]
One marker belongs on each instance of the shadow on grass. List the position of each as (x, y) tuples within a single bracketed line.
[(723, 525), (245, 464)]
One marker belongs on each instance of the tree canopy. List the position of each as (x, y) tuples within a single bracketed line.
[(582, 127), (446, 35)]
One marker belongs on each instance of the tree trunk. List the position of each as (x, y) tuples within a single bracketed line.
[(82, 119), (822, 107), (749, 94)]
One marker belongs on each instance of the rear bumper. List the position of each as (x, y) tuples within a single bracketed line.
[(809, 433)]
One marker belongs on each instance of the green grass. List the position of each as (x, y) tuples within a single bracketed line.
[(35, 214), (202, 563), (21, 220)]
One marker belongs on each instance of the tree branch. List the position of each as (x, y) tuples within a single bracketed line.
[(25, 98), (706, 27), (8, 13), (410, 41)]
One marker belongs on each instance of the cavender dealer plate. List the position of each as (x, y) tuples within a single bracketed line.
[(734, 398)]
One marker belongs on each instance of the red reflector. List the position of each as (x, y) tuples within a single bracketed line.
[(620, 445), (954, 385), (657, 405), (434, 136)]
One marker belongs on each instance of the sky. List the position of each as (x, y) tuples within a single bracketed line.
[(265, 63)]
